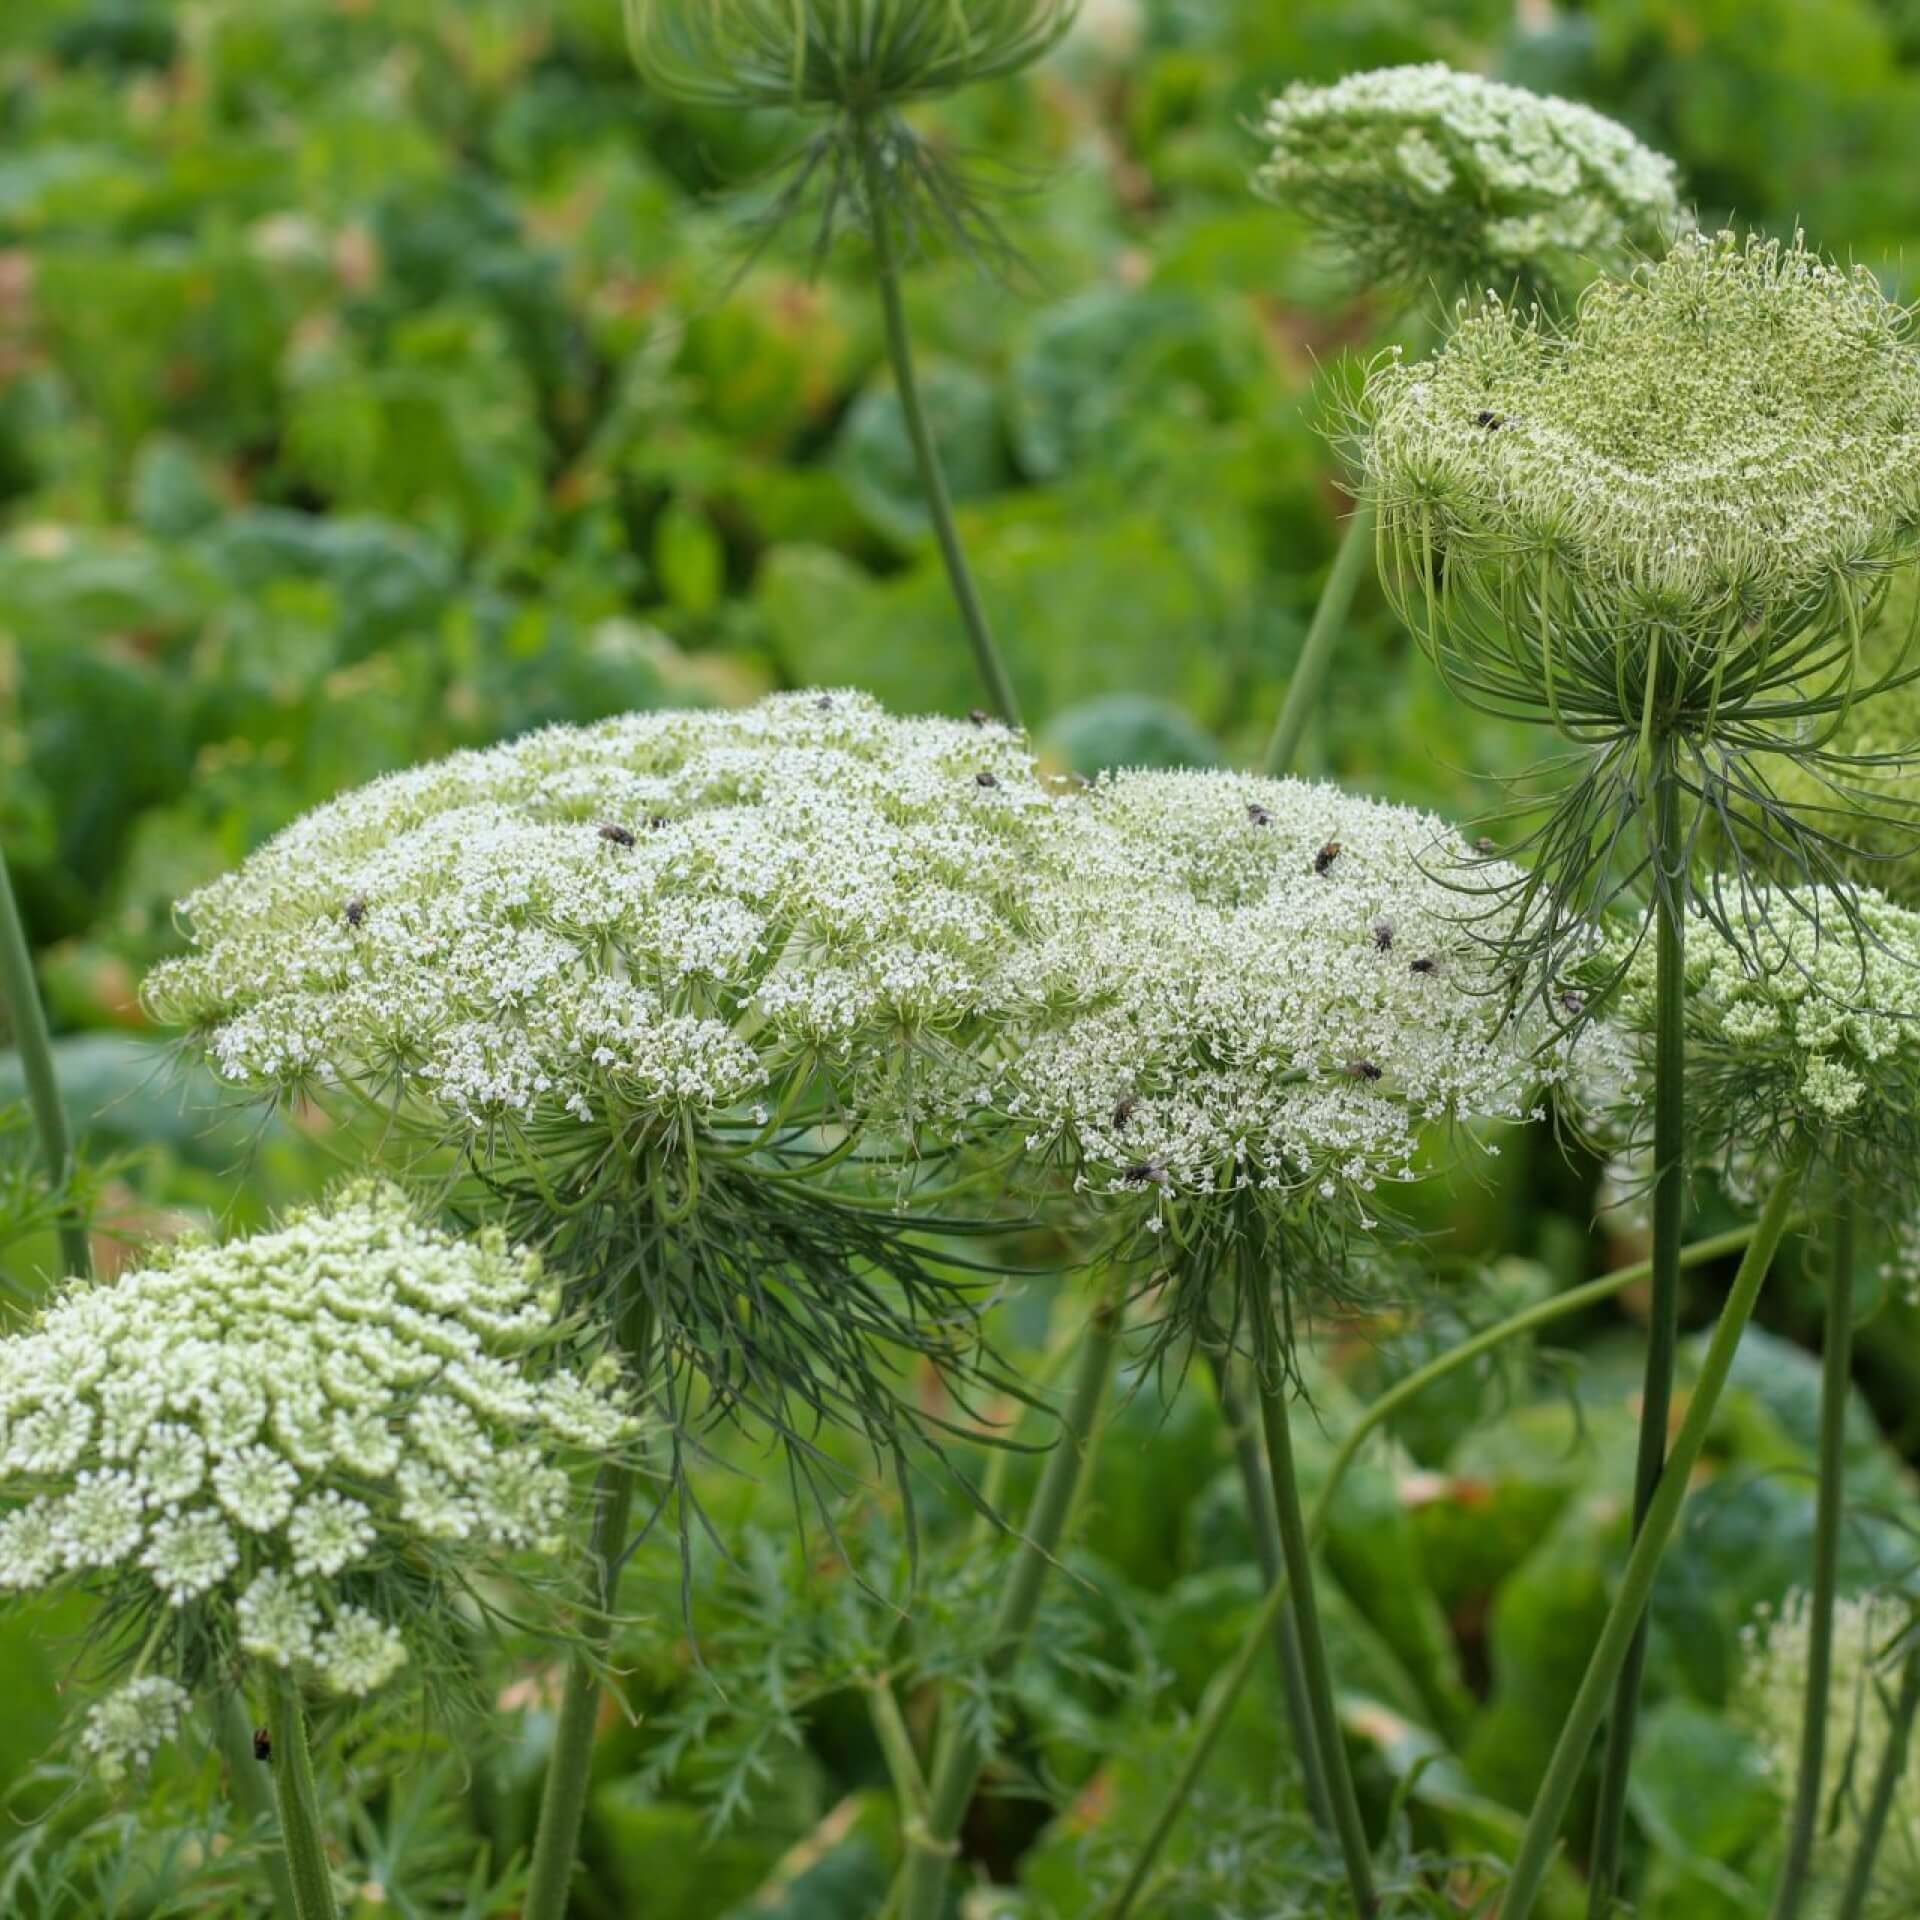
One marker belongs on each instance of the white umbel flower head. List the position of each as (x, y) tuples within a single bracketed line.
[(1425, 174), (271, 1531), (124, 1731)]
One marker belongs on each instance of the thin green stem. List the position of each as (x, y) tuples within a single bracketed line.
[(1663, 1332), (896, 1748), (1886, 1782), (1296, 1553), (20, 992), (308, 1871), (1329, 622), (563, 1800), (958, 1756), (1265, 1522), (1623, 1620), (1836, 1383), (933, 480), (1230, 1682), (251, 1786)]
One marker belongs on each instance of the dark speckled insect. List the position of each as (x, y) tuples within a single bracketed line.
[(1258, 814), (262, 1745), (984, 779), (1145, 1172), (355, 910), (1123, 1111), (1383, 935), (1326, 856), (1364, 1069), (1487, 418), (1425, 964), (616, 835)]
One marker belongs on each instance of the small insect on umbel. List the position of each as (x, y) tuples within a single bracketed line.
[(1326, 856), (1575, 1002), (616, 834), (262, 1745), (1492, 421), (1365, 1069), (1258, 814), (1383, 935), (1425, 964), (1145, 1172), (1123, 1111), (984, 779), (355, 910), (979, 716)]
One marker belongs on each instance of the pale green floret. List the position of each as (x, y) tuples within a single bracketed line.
[(126, 1729), (1422, 173), (256, 1513), (1692, 492), (1771, 1700)]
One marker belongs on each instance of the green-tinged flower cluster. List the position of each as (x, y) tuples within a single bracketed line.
[(297, 1447), (1421, 173), (1771, 1700), (853, 56), (1805, 1031)]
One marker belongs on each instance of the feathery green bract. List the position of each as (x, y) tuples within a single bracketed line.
[(1423, 174)]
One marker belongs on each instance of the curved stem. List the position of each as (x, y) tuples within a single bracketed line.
[(1663, 1332), (1270, 1382), (1624, 1618), (1893, 1763), (1329, 621), (1231, 1681), (933, 479), (563, 1799), (958, 1757), (251, 1787), (1836, 1383), (1265, 1522), (20, 994), (306, 1852)]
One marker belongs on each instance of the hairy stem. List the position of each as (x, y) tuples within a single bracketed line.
[(251, 1787), (1663, 1333), (1329, 622), (1270, 1381), (20, 993), (933, 480), (308, 1873), (1886, 1782), (1624, 1617), (1264, 1519), (1836, 1383), (1231, 1680), (958, 1758)]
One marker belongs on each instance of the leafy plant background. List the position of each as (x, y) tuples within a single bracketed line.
[(379, 377)]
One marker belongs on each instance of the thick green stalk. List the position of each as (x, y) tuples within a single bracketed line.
[(306, 1858), (1663, 1332), (1329, 622), (1231, 1680), (1265, 1522), (933, 479), (1893, 1763), (1836, 1383), (251, 1785), (1624, 1617), (563, 1800), (1296, 1553), (958, 1758), (20, 992)]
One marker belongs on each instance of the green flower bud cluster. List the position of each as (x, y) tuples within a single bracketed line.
[(1421, 173), (294, 1448)]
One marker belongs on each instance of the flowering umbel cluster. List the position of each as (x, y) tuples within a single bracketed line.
[(297, 1448), (1422, 173), (1867, 1630)]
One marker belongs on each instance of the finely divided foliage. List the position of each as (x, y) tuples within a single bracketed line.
[(1419, 171), (300, 1447)]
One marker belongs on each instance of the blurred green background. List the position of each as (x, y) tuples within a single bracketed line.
[(384, 376)]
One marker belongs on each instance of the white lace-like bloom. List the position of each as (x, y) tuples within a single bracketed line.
[(1245, 983), (249, 1494), (1770, 1701), (1422, 172), (648, 917), (125, 1730)]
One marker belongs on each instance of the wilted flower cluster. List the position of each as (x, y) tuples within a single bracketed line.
[(1242, 983), (1771, 1701), (261, 1446), (1805, 1029), (1424, 172), (1675, 511)]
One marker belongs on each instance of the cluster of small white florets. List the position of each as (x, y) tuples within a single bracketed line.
[(1809, 1024), (255, 1429), (648, 916), (1771, 1700), (1422, 171), (1249, 983), (1716, 442)]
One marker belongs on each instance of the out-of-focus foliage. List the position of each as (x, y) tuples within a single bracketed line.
[(380, 378)]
